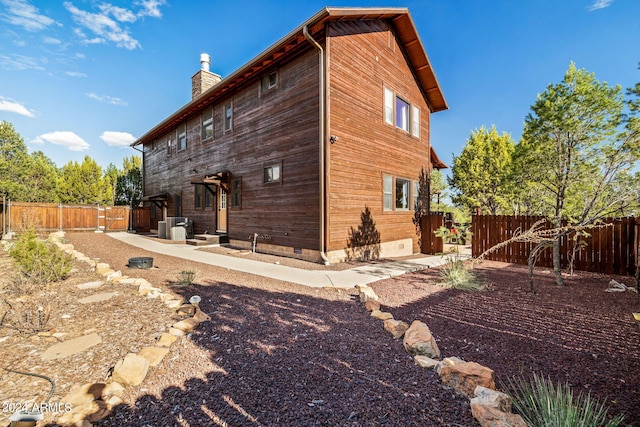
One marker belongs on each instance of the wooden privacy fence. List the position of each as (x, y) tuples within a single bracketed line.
[(430, 244), (51, 217), (610, 249)]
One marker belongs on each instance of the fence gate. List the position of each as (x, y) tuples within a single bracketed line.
[(430, 244)]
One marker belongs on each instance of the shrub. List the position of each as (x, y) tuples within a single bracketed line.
[(186, 277), (543, 404), (40, 261), (456, 275)]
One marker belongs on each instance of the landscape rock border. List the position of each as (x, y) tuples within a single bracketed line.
[(490, 407), (92, 402)]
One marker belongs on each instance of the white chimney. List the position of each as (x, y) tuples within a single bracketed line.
[(205, 61)]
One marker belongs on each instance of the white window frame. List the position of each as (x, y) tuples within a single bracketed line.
[(402, 198), (407, 119), (272, 173)]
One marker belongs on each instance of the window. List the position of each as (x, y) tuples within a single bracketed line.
[(182, 137), (207, 123), (236, 193), (199, 196), (388, 106), (416, 195), (228, 116), (272, 174), (268, 81), (415, 121), (402, 194), (208, 197), (401, 113), (387, 192), (169, 146)]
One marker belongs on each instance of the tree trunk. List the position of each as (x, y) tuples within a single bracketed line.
[(557, 267)]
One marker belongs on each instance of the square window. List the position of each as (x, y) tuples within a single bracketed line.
[(402, 194), (271, 174), (268, 81)]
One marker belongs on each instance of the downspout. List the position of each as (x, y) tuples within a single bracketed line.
[(321, 84)]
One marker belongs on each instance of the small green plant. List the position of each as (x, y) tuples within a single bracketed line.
[(541, 403), (40, 261), (454, 273), (186, 277)]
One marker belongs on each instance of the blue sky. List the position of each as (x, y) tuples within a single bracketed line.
[(85, 77)]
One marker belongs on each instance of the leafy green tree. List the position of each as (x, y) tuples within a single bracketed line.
[(481, 173), (82, 183), (41, 179), (129, 182), (13, 162), (576, 154), (438, 187), (110, 181)]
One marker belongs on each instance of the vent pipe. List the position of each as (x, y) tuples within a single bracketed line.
[(205, 61)]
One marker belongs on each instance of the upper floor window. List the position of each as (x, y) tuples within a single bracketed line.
[(207, 123), (169, 146), (228, 116), (268, 81), (400, 113), (182, 137), (272, 173)]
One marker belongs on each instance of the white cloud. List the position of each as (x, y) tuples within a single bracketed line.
[(21, 62), (121, 14), (14, 107), (600, 4), (23, 14), (105, 28), (50, 40), (150, 8), (107, 99), (75, 74), (117, 139), (65, 138)]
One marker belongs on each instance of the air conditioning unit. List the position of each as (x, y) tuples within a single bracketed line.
[(177, 227)]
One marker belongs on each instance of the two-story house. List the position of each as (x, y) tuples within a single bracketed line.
[(291, 149)]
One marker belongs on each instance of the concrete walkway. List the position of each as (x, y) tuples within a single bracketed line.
[(315, 278)]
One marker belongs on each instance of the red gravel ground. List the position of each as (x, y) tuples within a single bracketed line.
[(279, 354)]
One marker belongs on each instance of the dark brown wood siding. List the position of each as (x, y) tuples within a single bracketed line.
[(363, 58), (279, 126)]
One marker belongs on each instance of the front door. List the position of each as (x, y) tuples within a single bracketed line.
[(222, 210)]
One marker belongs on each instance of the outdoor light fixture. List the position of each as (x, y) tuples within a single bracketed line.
[(333, 139), (195, 300)]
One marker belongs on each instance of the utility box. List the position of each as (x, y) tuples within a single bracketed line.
[(162, 229)]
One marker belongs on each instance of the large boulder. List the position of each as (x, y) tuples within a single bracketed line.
[(397, 328), (465, 377), (418, 340), (367, 293), (493, 398), (488, 416)]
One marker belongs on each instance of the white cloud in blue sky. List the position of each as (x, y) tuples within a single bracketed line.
[(600, 4), (65, 138), (11, 106), (117, 139), (21, 62), (107, 99), (25, 15)]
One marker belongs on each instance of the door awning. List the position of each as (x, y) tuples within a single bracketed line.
[(161, 197), (218, 178)]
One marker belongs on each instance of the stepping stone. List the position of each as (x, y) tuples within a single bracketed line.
[(97, 298), (90, 285), (154, 354), (73, 346)]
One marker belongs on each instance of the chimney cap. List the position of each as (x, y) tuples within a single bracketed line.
[(205, 61)]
